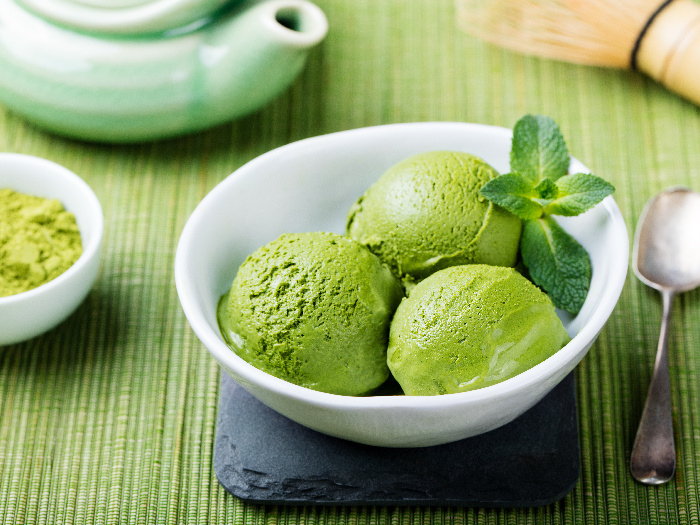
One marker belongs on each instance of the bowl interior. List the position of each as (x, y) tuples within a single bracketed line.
[(310, 185)]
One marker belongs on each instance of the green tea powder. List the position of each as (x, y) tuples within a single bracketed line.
[(39, 240)]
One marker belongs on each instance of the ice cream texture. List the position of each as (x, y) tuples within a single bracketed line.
[(425, 214), (313, 309), (468, 327)]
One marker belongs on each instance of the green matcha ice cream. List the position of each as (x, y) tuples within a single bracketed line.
[(425, 214), (313, 309), (467, 327)]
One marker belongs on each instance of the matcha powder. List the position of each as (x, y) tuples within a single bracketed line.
[(39, 240)]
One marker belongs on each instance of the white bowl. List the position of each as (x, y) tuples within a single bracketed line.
[(309, 186), (29, 314)]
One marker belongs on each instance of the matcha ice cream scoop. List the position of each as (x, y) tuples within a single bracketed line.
[(313, 309), (425, 214), (467, 327)]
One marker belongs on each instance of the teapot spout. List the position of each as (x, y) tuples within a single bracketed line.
[(260, 51), (293, 23)]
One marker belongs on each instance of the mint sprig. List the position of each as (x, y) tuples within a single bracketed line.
[(538, 187)]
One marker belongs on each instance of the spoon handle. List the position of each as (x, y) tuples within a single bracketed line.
[(653, 459)]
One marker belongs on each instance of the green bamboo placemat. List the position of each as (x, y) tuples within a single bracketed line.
[(110, 418)]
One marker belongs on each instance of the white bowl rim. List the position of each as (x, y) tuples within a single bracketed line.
[(90, 250), (213, 342)]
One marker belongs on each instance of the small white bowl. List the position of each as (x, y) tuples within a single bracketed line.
[(29, 314), (309, 186)]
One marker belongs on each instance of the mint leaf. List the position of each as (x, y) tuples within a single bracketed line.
[(556, 262), (578, 193), (538, 149), (514, 193)]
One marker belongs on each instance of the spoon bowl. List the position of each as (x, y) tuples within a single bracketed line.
[(667, 248), (666, 257)]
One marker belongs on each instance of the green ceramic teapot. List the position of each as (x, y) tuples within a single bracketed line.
[(136, 70)]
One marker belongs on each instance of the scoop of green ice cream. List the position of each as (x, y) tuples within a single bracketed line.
[(425, 214), (313, 309), (467, 327)]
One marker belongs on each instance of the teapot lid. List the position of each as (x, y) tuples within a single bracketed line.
[(111, 4), (125, 17)]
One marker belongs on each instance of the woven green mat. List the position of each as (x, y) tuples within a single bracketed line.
[(110, 418)]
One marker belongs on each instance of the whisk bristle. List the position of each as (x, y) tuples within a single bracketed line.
[(595, 32)]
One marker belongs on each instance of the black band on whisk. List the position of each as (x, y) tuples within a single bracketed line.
[(638, 42)]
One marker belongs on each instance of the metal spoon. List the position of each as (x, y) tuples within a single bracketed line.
[(666, 257)]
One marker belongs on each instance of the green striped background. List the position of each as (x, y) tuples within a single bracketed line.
[(110, 418)]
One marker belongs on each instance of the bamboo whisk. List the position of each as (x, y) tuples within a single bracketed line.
[(659, 38)]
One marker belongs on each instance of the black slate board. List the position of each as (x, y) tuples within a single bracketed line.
[(263, 457)]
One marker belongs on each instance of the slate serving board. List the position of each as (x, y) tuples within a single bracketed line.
[(261, 456)]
